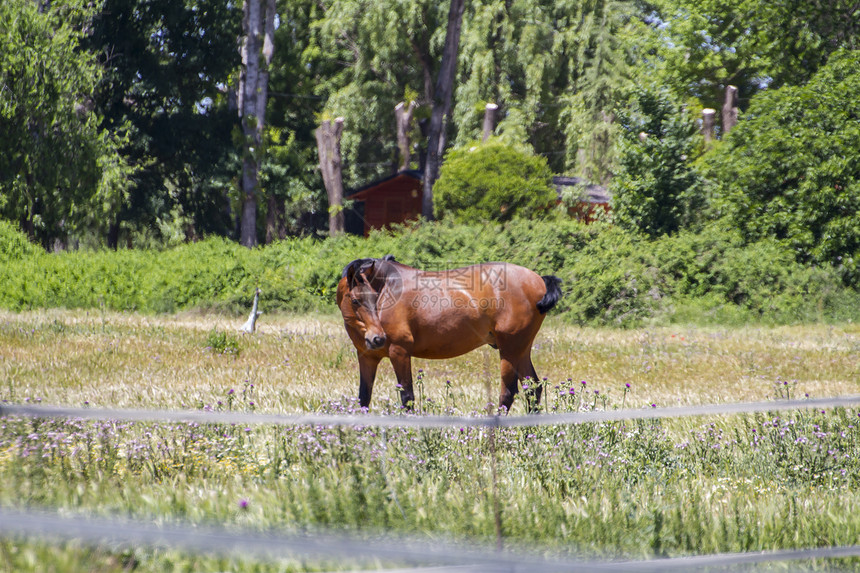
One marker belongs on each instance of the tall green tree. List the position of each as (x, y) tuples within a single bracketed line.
[(705, 45), (377, 53), (656, 189), (556, 69), (60, 173), (258, 45), (293, 199), (442, 101), (791, 167), (169, 75)]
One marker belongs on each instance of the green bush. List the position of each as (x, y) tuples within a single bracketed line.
[(611, 276), (655, 189), (492, 182), (790, 170), (14, 244)]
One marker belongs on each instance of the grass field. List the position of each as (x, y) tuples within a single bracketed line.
[(633, 490)]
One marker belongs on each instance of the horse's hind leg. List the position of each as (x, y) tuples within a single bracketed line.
[(510, 385), (515, 352), (535, 389)]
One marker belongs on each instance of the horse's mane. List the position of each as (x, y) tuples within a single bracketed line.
[(361, 265)]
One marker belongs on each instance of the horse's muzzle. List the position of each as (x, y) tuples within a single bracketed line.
[(374, 342)]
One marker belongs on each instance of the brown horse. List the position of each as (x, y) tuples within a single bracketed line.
[(395, 311)]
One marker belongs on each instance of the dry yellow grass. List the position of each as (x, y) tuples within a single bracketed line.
[(298, 363)]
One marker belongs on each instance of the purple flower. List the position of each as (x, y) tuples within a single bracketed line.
[(243, 504), (230, 392), (572, 391), (627, 385)]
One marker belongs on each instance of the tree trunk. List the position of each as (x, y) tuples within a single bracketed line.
[(489, 120), (708, 115), (403, 117), (275, 227), (328, 145), (730, 110), (442, 105), (259, 27)]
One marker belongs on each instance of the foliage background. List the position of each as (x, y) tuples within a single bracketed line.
[(119, 127), (611, 277)]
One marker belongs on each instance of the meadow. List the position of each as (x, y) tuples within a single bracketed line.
[(630, 490)]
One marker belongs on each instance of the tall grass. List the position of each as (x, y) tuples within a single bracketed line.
[(625, 489)]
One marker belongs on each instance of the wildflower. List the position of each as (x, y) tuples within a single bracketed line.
[(243, 504), (653, 405), (583, 383), (230, 392), (572, 392)]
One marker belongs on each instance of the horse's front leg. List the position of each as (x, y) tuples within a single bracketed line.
[(367, 374), (402, 363)]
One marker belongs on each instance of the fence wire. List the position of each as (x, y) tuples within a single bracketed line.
[(456, 557), (410, 420), (395, 549)]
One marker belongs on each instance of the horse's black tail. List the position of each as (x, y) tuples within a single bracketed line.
[(553, 293)]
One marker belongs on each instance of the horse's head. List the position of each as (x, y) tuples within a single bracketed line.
[(359, 294)]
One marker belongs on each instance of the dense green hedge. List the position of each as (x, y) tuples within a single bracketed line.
[(610, 276)]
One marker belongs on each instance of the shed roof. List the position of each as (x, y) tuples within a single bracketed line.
[(590, 192), (361, 193)]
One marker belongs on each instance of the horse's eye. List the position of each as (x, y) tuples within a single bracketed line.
[(356, 302)]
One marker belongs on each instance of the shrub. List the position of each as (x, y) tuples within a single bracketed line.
[(790, 170), (610, 276), (655, 189), (14, 244), (492, 182)]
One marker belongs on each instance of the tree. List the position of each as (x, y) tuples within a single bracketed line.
[(167, 67), (61, 175), (655, 189), (705, 45), (791, 167), (441, 105), (493, 182), (328, 143), (555, 68), (257, 49), (293, 198)]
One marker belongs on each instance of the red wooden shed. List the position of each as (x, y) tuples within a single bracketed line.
[(592, 200), (395, 199)]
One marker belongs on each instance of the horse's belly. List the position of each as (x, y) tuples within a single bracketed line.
[(449, 343)]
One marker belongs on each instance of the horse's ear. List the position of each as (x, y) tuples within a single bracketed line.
[(350, 270), (389, 258), (367, 267), (356, 267)]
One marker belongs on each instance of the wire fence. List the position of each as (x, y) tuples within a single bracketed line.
[(209, 540), (409, 420), (397, 550)]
